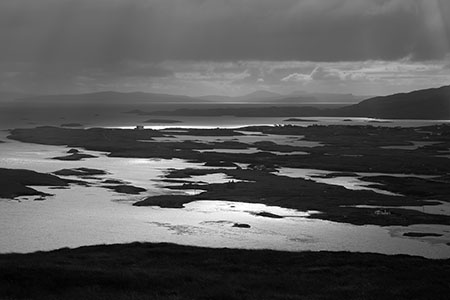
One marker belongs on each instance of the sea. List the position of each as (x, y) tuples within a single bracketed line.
[(89, 215)]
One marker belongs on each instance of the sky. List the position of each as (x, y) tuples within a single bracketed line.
[(224, 47)]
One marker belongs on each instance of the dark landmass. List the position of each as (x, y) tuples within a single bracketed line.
[(431, 104), (421, 234), (73, 151), (220, 164), (166, 271), (15, 182), (79, 172), (241, 225), (165, 121), (74, 156), (165, 201), (422, 104), (268, 215), (299, 120), (126, 189), (113, 181), (71, 125)]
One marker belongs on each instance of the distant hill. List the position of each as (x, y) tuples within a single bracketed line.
[(422, 104), (257, 96), (296, 97), (431, 104), (112, 98)]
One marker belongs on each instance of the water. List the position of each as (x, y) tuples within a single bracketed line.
[(93, 215)]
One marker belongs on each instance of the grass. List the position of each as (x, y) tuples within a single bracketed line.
[(167, 271)]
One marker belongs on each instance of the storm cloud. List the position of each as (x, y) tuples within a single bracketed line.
[(107, 31), (44, 42)]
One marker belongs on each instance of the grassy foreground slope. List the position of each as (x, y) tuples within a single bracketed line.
[(167, 271)]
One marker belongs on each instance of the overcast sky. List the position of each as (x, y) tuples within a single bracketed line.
[(232, 47)]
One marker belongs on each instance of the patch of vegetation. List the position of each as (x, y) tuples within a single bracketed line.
[(165, 271), (80, 172)]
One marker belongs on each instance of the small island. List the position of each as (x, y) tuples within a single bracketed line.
[(162, 121), (300, 120), (15, 183)]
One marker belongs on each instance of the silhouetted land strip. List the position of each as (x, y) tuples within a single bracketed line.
[(125, 189), (74, 156), (15, 182), (299, 120), (421, 234), (166, 271), (433, 104), (79, 172)]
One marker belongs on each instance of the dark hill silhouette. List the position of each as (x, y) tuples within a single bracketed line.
[(422, 104)]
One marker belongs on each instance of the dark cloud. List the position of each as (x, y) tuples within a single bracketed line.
[(105, 32), (71, 45)]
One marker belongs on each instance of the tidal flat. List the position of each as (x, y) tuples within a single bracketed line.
[(344, 174), (356, 196)]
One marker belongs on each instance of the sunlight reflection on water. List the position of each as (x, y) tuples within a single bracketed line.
[(94, 215)]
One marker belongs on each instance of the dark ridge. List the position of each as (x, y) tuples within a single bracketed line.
[(165, 271), (422, 104)]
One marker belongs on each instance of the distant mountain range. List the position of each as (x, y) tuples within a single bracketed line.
[(423, 104), (431, 103), (263, 97)]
